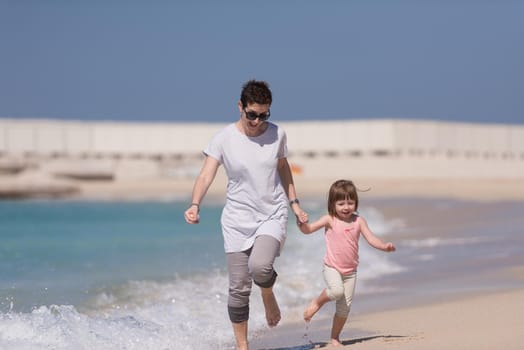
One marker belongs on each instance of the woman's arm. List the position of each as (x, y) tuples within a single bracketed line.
[(203, 181), (373, 240), (286, 177), (307, 228)]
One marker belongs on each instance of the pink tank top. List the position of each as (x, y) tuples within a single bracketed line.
[(342, 245)]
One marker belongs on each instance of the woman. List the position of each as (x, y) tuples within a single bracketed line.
[(260, 185)]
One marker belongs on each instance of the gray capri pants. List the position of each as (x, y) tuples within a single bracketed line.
[(340, 288), (254, 264)]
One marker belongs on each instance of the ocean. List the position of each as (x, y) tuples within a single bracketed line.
[(133, 275)]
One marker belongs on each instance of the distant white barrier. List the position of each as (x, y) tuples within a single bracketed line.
[(72, 138), (379, 137), (383, 137)]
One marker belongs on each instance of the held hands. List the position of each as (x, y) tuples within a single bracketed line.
[(191, 215), (301, 215)]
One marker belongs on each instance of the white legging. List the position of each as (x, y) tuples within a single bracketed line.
[(340, 288)]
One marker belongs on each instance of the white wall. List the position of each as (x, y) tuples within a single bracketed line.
[(47, 137)]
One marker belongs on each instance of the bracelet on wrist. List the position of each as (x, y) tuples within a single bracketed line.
[(293, 201), (195, 204)]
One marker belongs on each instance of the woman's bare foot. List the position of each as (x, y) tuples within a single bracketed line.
[(311, 310), (271, 306)]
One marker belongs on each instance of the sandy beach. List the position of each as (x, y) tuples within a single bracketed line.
[(467, 189), (489, 321)]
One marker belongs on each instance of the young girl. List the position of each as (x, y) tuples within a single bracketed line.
[(343, 227)]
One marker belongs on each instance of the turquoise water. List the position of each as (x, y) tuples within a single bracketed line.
[(65, 252)]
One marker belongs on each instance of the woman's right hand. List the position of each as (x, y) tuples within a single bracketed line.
[(191, 215)]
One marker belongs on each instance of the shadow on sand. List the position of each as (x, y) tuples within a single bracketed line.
[(319, 345)]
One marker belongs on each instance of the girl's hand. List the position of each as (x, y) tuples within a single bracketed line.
[(303, 226), (389, 247)]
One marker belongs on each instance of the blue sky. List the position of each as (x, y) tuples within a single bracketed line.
[(459, 60)]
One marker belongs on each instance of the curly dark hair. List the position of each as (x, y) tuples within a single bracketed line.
[(255, 91)]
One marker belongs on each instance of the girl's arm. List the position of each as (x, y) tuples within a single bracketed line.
[(373, 240), (307, 227)]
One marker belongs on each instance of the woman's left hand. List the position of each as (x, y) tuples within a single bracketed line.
[(302, 216)]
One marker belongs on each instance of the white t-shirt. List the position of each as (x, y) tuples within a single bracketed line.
[(256, 202)]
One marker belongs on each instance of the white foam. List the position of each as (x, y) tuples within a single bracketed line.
[(438, 241), (183, 314), (378, 223), (425, 257)]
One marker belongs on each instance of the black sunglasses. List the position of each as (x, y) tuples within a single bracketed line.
[(252, 115)]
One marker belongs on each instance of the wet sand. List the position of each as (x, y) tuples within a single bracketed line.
[(487, 321)]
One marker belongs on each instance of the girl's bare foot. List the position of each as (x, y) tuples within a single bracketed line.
[(336, 342), (271, 306), (311, 310)]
